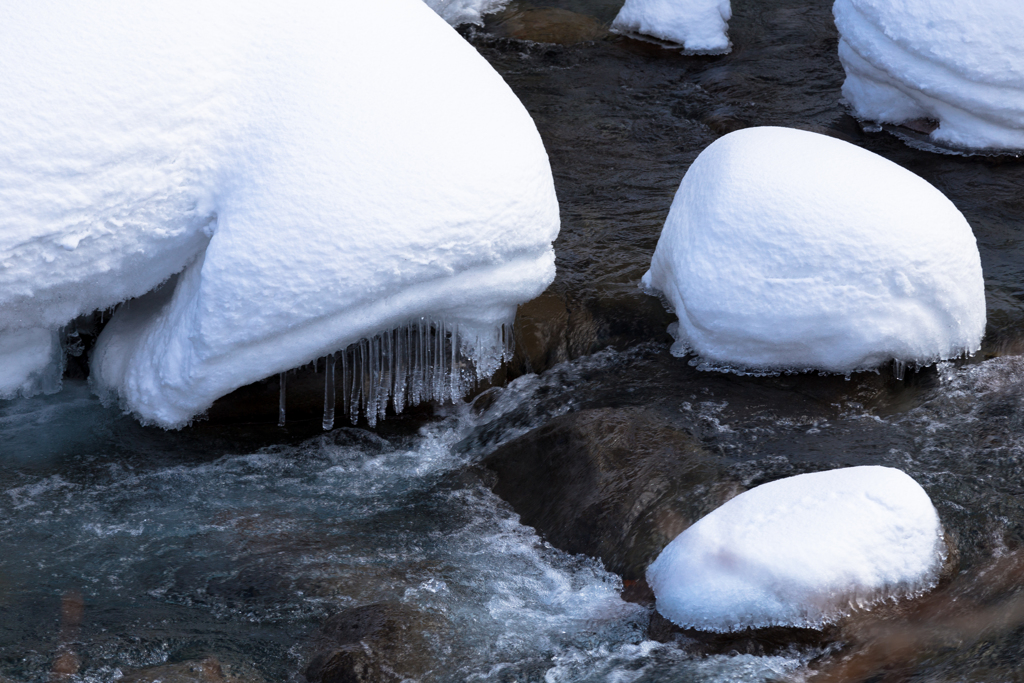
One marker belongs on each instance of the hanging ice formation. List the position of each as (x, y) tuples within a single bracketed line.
[(309, 192)]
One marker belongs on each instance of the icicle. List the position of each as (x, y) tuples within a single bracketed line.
[(329, 393), (898, 369), (282, 381)]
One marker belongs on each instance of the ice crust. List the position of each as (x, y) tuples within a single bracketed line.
[(788, 250), (960, 63), (802, 552), (318, 188), (699, 26), (458, 12)]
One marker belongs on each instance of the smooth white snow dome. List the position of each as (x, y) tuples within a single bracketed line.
[(458, 12), (699, 26), (960, 63), (789, 250), (322, 182), (801, 552)]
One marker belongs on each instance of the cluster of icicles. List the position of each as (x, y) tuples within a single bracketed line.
[(426, 360)]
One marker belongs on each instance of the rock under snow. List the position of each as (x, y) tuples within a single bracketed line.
[(458, 12), (960, 63), (321, 189), (699, 26), (802, 552), (789, 250)]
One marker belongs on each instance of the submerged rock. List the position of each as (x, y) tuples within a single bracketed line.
[(374, 644), (617, 484), (208, 670)]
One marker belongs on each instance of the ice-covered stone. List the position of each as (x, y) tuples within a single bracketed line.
[(699, 26), (802, 552), (789, 250), (959, 63), (320, 189)]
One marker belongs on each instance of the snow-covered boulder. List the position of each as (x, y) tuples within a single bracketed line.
[(789, 250), (960, 63), (802, 552), (320, 189), (698, 26), (458, 12)]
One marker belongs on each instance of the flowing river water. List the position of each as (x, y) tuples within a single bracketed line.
[(127, 549)]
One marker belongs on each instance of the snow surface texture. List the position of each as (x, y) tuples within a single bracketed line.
[(801, 552), (960, 63), (789, 250), (458, 12), (319, 189), (699, 26)]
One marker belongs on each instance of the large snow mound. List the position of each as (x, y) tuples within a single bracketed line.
[(960, 63), (801, 552), (789, 250), (319, 188), (458, 12), (699, 26)]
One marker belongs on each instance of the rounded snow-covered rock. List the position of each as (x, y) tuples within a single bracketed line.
[(801, 552), (319, 189), (699, 26), (458, 12), (960, 63), (789, 250)]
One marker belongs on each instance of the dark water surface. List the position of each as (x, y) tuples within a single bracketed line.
[(239, 540)]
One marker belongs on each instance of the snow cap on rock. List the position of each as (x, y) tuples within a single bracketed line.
[(790, 250), (698, 26), (959, 63), (801, 551), (318, 182)]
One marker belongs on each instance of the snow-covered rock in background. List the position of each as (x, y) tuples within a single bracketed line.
[(458, 12), (31, 362), (960, 63), (699, 26), (321, 189), (801, 551), (789, 250)]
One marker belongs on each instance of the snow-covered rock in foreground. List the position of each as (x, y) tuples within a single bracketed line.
[(458, 12), (699, 26), (802, 552), (789, 250), (960, 63), (321, 188)]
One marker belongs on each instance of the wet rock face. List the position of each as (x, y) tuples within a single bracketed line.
[(374, 644), (618, 484)]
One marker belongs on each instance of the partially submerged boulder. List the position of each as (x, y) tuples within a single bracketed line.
[(617, 484)]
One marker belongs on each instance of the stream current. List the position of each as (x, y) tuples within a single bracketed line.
[(238, 540)]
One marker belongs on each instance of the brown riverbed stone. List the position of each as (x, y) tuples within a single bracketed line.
[(617, 484)]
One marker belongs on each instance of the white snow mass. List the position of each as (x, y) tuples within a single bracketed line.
[(801, 552), (31, 362), (959, 63), (699, 26), (789, 250), (321, 183), (458, 12)]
